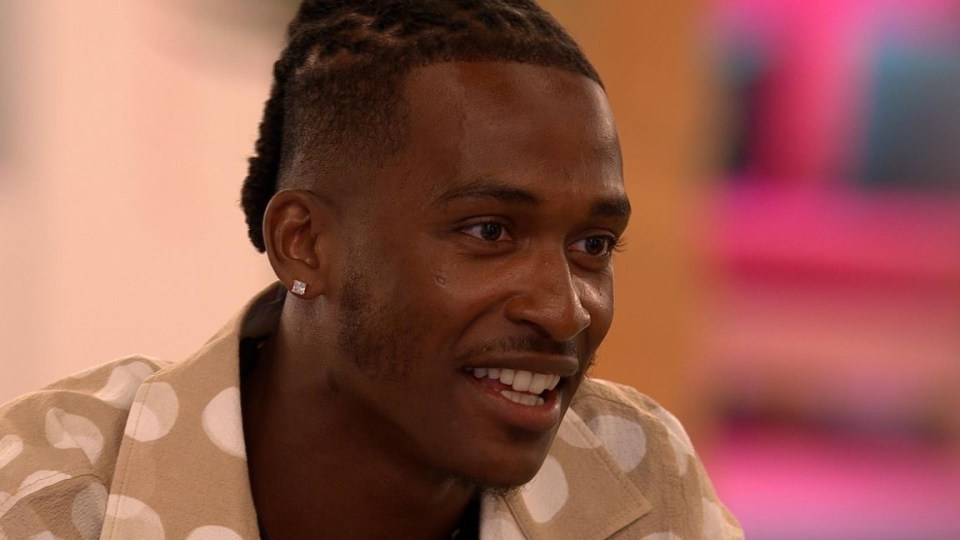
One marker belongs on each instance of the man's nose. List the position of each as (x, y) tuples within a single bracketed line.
[(548, 298)]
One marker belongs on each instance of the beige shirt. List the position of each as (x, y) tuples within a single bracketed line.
[(145, 449)]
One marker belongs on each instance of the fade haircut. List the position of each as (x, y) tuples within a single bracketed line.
[(337, 89)]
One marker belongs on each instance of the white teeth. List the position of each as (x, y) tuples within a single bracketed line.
[(522, 398), (538, 383), (520, 380)]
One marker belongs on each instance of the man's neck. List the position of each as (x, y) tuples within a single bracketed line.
[(316, 468)]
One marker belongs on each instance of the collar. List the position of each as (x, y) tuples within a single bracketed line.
[(183, 455)]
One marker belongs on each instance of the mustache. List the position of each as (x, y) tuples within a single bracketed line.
[(522, 344)]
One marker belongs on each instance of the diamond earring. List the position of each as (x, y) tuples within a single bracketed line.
[(299, 287)]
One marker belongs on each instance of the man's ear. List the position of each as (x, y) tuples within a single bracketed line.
[(298, 229)]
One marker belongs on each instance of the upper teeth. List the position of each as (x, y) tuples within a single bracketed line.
[(521, 380)]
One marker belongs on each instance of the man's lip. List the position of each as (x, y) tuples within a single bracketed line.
[(533, 418), (550, 364)]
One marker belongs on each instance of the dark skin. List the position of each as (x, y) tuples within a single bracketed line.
[(485, 243)]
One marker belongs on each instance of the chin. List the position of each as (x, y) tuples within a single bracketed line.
[(499, 485), (507, 482), (502, 475)]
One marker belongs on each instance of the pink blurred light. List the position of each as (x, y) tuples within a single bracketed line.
[(811, 230)]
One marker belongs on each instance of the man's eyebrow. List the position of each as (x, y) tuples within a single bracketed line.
[(616, 207), (612, 207), (489, 189)]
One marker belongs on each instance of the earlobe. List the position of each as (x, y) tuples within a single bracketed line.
[(296, 226)]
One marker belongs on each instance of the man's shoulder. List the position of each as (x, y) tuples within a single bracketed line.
[(62, 440), (598, 397), (621, 416), (115, 383), (612, 392), (651, 447)]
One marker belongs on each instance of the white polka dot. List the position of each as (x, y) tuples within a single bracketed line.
[(42, 478), (32, 484), (10, 447), (500, 528), (679, 440), (213, 532), (546, 494), (153, 413), (122, 385), (131, 518), (662, 536), (223, 424), (624, 439), (570, 434), (65, 430), (87, 512)]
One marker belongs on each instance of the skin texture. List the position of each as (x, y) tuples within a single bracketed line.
[(484, 243)]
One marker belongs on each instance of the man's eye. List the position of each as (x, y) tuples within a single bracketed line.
[(596, 246), (490, 231)]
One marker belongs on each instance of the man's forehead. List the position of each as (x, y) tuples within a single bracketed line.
[(454, 102), (500, 82), (500, 129)]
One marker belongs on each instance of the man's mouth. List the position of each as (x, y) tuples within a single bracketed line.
[(521, 386)]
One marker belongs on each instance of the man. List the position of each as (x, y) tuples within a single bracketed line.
[(438, 188)]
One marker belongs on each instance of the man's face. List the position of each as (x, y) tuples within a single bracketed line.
[(482, 250)]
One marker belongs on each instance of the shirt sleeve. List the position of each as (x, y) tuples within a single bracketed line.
[(68, 508)]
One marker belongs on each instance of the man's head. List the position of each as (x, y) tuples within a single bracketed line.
[(336, 96), (461, 257)]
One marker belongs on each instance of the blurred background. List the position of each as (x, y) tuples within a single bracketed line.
[(791, 284)]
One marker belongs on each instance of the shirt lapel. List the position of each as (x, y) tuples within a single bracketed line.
[(182, 469), (578, 494)]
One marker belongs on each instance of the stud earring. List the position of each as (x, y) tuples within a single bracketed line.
[(299, 287)]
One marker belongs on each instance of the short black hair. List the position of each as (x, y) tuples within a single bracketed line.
[(337, 87)]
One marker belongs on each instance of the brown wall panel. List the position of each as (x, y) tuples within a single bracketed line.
[(648, 55)]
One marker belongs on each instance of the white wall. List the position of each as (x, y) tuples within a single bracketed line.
[(120, 230)]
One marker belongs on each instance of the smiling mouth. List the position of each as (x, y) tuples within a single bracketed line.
[(522, 387)]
